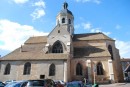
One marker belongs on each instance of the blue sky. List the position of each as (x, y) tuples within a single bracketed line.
[(20, 19)]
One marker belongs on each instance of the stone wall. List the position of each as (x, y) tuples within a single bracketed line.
[(37, 68)]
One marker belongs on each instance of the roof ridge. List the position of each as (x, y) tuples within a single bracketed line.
[(106, 37), (87, 33), (92, 36)]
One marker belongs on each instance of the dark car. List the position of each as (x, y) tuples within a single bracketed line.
[(38, 83), (74, 84), (2, 84)]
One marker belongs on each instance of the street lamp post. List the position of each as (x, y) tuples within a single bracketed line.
[(94, 72)]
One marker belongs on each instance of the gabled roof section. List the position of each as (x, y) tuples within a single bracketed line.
[(91, 36), (52, 30), (59, 27), (33, 55), (36, 40), (91, 51)]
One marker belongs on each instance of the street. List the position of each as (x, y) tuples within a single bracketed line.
[(116, 85)]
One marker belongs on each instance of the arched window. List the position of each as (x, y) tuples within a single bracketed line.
[(57, 48), (78, 69), (27, 68), (110, 51), (52, 70), (99, 69), (7, 69), (63, 20), (69, 21)]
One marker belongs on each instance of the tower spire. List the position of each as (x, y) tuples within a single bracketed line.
[(65, 5)]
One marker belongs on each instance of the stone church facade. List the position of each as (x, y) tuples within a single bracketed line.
[(63, 55)]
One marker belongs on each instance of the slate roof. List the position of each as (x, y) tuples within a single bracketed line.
[(91, 36)]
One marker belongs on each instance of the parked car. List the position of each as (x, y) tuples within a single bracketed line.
[(2, 84), (8, 81), (38, 83), (74, 84), (15, 84), (59, 83), (32, 83)]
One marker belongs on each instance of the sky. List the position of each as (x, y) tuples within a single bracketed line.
[(21, 19)]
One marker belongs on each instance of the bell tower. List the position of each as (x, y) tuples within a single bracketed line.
[(65, 17), (63, 32)]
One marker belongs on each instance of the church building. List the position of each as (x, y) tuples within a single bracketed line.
[(63, 55)]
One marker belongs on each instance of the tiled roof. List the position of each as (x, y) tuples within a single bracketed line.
[(91, 36), (91, 51), (33, 49), (40, 55), (37, 39)]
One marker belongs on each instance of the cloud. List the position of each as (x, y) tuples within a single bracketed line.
[(20, 1), (118, 26), (39, 10), (92, 1), (99, 30), (13, 34), (40, 3), (124, 48), (77, 26), (38, 13), (97, 1), (88, 26)]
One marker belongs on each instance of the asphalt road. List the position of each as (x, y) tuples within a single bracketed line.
[(116, 85)]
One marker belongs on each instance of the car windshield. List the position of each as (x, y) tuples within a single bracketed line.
[(36, 83)]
